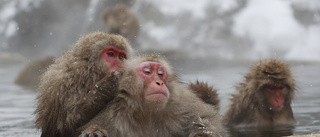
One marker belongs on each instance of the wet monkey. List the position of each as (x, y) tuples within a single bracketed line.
[(119, 20), (152, 102), (79, 83), (206, 93), (264, 98), (29, 76)]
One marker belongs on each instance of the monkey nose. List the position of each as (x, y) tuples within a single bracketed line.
[(160, 83)]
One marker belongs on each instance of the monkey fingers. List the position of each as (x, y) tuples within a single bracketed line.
[(108, 85), (200, 130), (101, 94), (94, 132), (73, 89)]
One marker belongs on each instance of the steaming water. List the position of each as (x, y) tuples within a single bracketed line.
[(17, 104), (228, 29), (220, 39)]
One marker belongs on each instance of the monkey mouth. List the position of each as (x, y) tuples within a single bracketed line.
[(157, 93), (276, 108), (157, 96)]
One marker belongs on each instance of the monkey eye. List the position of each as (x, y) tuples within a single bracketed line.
[(160, 72), (110, 54), (271, 87), (122, 57), (147, 70)]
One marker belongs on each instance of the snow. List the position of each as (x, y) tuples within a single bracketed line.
[(270, 25), (310, 49), (177, 7), (9, 10)]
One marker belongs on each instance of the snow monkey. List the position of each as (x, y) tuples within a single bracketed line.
[(264, 98), (79, 83), (152, 102)]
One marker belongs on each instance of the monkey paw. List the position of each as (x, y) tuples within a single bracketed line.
[(94, 132)]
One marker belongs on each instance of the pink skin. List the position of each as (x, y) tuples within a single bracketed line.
[(276, 94), (114, 57), (155, 76)]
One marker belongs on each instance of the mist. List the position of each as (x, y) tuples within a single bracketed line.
[(222, 29)]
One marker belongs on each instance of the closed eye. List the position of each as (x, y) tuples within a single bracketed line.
[(160, 72), (147, 70)]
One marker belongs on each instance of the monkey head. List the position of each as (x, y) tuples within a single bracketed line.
[(114, 57), (151, 76), (274, 83), (155, 76), (102, 51)]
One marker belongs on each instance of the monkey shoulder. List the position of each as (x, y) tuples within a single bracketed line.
[(205, 92)]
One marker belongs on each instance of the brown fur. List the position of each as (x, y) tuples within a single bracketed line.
[(70, 92), (128, 115), (249, 106), (120, 20), (205, 92), (29, 76)]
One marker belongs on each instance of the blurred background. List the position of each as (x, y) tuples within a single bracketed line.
[(208, 40), (226, 29)]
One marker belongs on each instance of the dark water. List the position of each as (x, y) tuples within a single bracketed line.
[(17, 104)]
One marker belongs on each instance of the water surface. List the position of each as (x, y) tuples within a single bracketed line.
[(17, 104)]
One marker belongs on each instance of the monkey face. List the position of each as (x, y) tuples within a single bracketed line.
[(114, 57), (276, 95), (155, 76)]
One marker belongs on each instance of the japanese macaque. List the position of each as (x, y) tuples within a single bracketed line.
[(206, 93), (29, 76), (264, 99), (120, 20), (79, 84), (152, 102)]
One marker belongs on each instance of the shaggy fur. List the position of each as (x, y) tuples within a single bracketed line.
[(207, 93), (119, 20), (249, 106), (70, 91), (29, 76), (128, 115)]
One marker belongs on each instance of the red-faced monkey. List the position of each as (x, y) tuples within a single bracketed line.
[(152, 102), (70, 91), (264, 98)]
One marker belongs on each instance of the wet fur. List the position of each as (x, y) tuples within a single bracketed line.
[(119, 20), (29, 76), (70, 90), (128, 115), (249, 106), (205, 92)]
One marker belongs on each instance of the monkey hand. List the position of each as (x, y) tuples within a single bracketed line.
[(109, 84), (95, 100), (94, 131), (200, 129)]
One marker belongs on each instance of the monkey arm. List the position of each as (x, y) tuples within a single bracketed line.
[(95, 100)]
